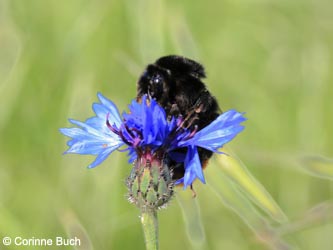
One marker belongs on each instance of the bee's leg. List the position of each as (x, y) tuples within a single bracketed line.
[(194, 194), (187, 122), (174, 111), (206, 102)]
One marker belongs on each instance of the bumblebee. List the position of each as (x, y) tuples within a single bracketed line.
[(175, 82)]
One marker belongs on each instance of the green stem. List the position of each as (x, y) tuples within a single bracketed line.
[(150, 229)]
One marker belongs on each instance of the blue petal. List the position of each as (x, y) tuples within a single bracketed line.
[(111, 108), (150, 120), (72, 132), (136, 108), (99, 124), (101, 157), (84, 142), (94, 137), (179, 181), (193, 167), (86, 147), (222, 130), (88, 128), (132, 155)]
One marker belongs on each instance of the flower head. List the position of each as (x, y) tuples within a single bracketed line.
[(149, 136)]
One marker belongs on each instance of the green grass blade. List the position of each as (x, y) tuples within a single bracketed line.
[(149, 23), (10, 225), (236, 171), (316, 216), (318, 166), (74, 229), (192, 217), (231, 197)]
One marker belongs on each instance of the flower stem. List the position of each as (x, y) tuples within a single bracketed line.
[(150, 229)]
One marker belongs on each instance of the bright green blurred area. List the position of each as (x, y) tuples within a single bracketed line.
[(271, 59)]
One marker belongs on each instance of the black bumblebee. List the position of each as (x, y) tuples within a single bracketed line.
[(175, 83)]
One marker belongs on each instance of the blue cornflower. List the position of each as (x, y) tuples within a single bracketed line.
[(147, 134)]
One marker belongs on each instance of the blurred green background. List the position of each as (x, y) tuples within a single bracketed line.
[(271, 59)]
